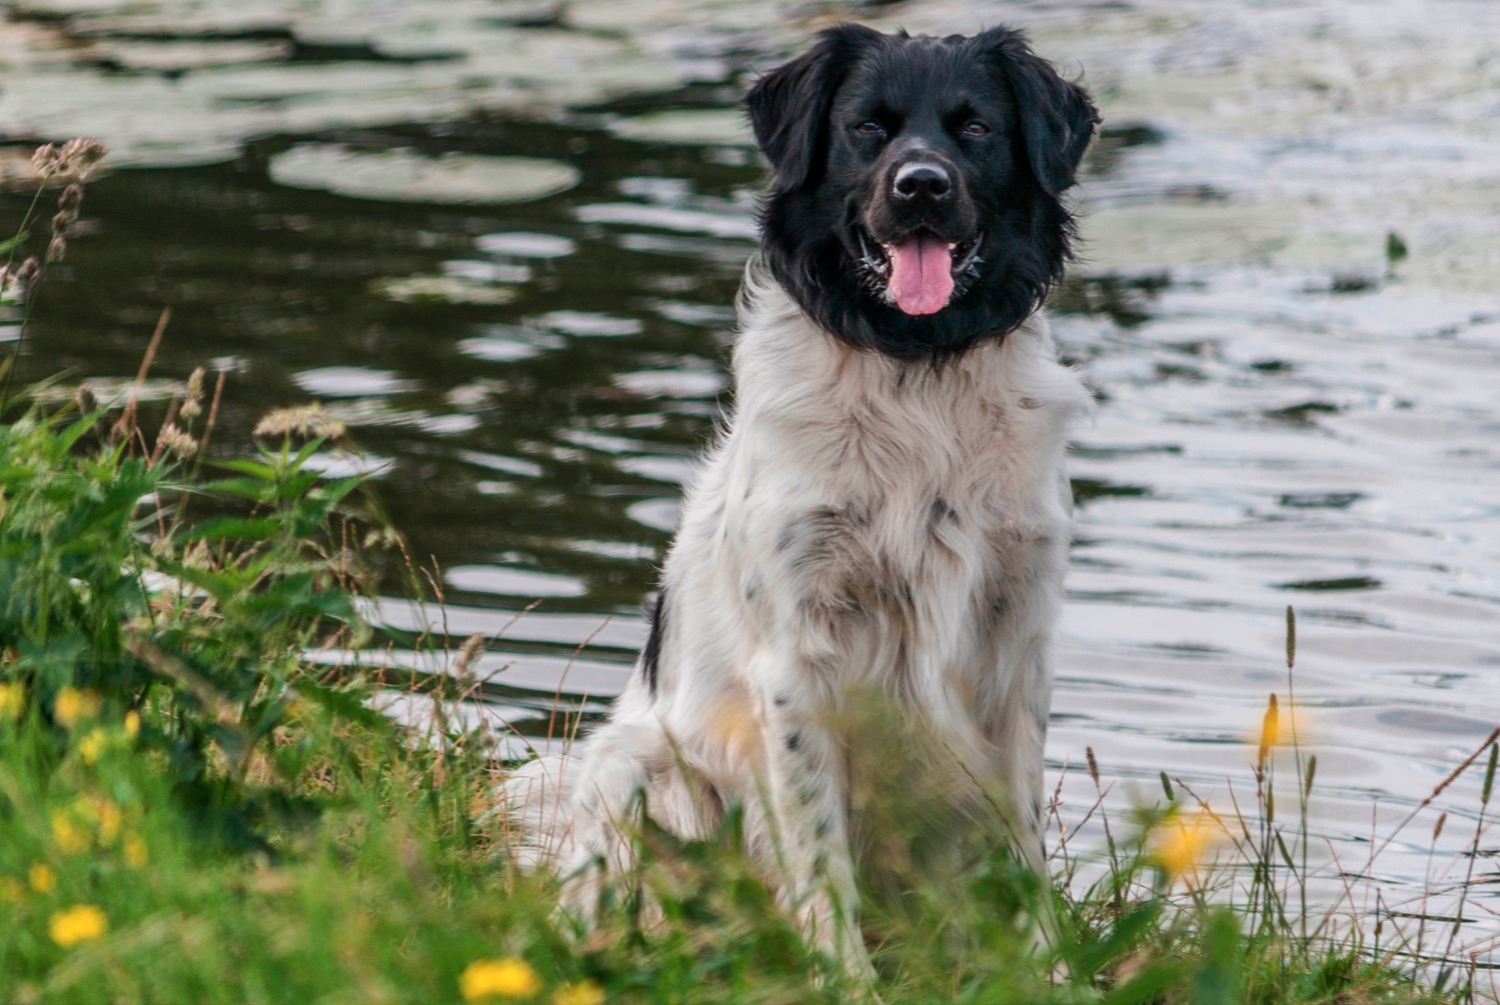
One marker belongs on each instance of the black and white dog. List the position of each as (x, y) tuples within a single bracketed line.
[(886, 513)]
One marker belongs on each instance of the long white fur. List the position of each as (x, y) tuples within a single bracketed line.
[(862, 525)]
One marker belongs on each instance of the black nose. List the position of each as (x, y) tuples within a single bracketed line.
[(919, 180)]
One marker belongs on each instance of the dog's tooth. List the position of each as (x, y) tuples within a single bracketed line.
[(952, 246)]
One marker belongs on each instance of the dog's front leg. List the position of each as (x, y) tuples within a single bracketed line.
[(805, 793)]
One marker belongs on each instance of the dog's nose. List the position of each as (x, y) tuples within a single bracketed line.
[(922, 179)]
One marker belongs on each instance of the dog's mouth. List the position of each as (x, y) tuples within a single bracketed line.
[(919, 272)]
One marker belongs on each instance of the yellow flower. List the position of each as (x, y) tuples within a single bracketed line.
[(12, 701), (134, 848), (1185, 842), (43, 879), (79, 923), (507, 978), (132, 723), (107, 817), (91, 746), (67, 834), (12, 890), (73, 705), (582, 993)]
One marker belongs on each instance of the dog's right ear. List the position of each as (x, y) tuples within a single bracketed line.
[(789, 106)]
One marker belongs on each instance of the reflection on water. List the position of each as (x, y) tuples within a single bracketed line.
[(1290, 413)]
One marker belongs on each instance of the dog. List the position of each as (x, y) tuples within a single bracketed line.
[(886, 513)]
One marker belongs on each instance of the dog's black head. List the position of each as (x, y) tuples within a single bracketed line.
[(916, 206)]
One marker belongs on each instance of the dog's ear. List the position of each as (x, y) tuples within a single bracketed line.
[(789, 106), (1057, 117)]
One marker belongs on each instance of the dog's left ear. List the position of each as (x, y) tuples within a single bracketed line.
[(1057, 117), (789, 106)]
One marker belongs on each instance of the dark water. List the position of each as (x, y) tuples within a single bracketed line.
[(1288, 415)]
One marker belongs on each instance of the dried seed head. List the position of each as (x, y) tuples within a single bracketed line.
[(300, 420), (29, 272), (84, 398), (177, 441), (44, 161), (57, 249), (1093, 764), (62, 222), (195, 384), (193, 406), (473, 646), (79, 156), (71, 198), (1437, 828)]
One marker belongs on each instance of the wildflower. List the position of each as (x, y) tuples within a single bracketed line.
[(12, 700), (42, 878), (68, 834), (106, 817), (12, 890), (507, 978), (134, 849), (57, 249), (301, 420), (132, 723), (582, 993), (1186, 844), (74, 704), (91, 746), (79, 923), (175, 440)]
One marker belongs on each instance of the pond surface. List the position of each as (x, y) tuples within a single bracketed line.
[(500, 239)]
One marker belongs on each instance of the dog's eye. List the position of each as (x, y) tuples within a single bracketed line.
[(976, 129), (870, 127)]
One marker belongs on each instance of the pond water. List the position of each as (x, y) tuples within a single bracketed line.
[(501, 239)]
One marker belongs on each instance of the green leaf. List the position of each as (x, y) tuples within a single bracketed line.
[(234, 528), (1148, 985)]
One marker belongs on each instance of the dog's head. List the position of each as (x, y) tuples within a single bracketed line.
[(915, 207)]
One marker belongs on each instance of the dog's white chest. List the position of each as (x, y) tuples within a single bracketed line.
[(910, 519)]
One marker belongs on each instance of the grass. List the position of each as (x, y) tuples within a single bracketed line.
[(196, 809)]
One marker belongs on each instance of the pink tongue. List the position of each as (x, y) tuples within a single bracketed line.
[(921, 274)]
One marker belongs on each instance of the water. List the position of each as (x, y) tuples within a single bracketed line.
[(1289, 413)]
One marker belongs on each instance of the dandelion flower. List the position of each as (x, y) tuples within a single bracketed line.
[(134, 849), (507, 978), (79, 923), (42, 878), (91, 746), (74, 704), (582, 993), (12, 701), (107, 817), (12, 890), (70, 838), (1185, 843)]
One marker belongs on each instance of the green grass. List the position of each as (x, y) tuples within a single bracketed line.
[(194, 811)]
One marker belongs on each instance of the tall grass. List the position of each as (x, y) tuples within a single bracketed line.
[(197, 808)]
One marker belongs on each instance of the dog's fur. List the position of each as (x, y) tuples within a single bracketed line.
[(886, 513)]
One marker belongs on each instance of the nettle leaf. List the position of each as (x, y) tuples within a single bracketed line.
[(247, 487), (234, 528)]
